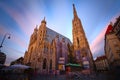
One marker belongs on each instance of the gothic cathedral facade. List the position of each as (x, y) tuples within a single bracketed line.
[(48, 50)]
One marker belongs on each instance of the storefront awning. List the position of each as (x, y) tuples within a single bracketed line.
[(74, 65)]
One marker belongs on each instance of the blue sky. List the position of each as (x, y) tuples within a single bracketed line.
[(19, 18)]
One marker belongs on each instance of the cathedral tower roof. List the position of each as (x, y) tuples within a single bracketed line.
[(74, 11), (43, 21)]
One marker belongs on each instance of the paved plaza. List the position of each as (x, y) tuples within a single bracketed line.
[(77, 76), (72, 76)]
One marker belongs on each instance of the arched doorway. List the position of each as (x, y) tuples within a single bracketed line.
[(44, 63), (51, 64)]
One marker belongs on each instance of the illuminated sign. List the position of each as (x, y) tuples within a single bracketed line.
[(61, 67)]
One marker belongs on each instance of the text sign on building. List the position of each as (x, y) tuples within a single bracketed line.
[(61, 60), (85, 62)]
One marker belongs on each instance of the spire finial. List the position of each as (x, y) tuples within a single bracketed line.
[(43, 21), (44, 18), (73, 5), (36, 26), (35, 29), (74, 11)]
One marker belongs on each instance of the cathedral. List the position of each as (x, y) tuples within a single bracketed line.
[(48, 50)]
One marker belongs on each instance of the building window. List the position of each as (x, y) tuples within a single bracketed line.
[(38, 59), (51, 50), (39, 43), (50, 64), (117, 48), (115, 42), (33, 58), (31, 49), (119, 36), (78, 42), (44, 63), (75, 24), (45, 49), (119, 54)]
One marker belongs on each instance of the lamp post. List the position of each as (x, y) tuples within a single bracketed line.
[(7, 34)]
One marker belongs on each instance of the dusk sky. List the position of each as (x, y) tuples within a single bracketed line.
[(20, 17)]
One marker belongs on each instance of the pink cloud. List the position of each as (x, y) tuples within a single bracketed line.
[(12, 54), (2, 30), (96, 45), (15, 39), (24, 23)]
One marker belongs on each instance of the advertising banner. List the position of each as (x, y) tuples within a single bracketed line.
[(85, 62), (61, 60)]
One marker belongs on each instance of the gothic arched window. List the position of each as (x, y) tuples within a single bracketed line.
[(44, 63), (50, 64), (31, 49), (78, 42)]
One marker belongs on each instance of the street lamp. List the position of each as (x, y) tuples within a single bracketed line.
[(7, 34)]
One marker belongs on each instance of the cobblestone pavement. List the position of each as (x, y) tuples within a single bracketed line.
[(64, 77), (76, 76), (49, 77), (73, 76)]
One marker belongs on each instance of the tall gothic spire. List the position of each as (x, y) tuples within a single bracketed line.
[(74, 11)]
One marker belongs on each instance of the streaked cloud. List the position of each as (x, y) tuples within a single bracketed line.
[(12, 54), (98, 43), (14, 38), (18, 18), (26, 14)]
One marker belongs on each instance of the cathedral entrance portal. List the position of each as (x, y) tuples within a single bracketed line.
[(44, 63), (51, 64)]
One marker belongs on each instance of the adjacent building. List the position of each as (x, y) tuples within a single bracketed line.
[(17, 61), (112, 47), (2, 57), (101, 64), (116, 27)]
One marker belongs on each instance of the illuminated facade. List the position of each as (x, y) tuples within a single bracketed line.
[(45, 49), (80, 43), (101, 64), (112, 47), (48, 50)]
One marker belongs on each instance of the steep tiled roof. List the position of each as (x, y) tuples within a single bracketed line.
[(101, 58), (117, 21), (52, 34), (109, 29)]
